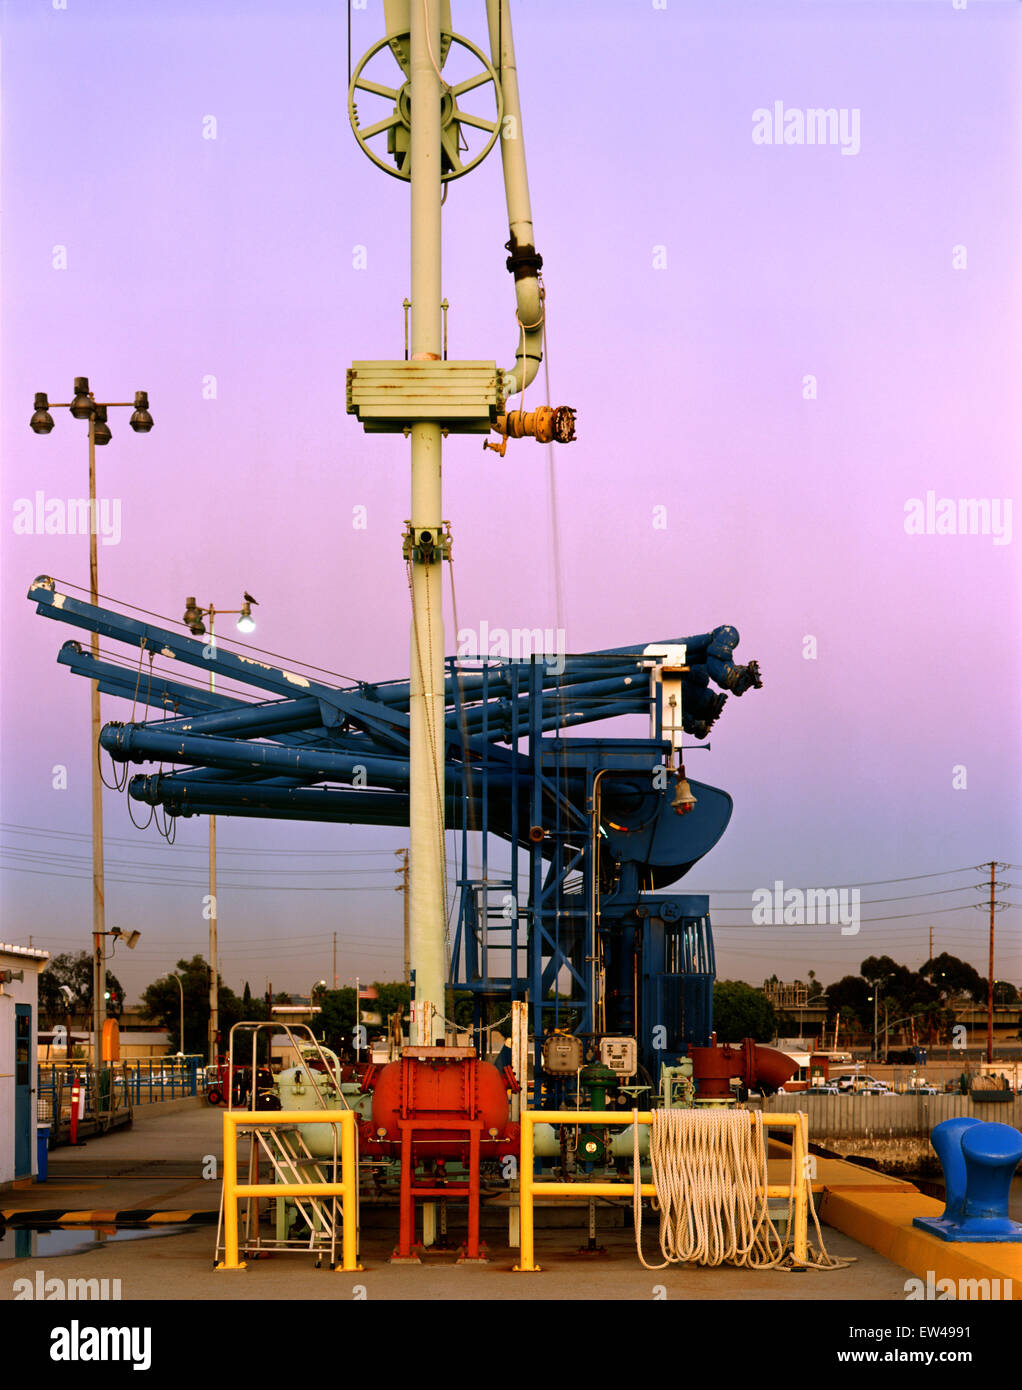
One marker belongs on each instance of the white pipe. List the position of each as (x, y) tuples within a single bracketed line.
[(546, 1141), (523, 260)]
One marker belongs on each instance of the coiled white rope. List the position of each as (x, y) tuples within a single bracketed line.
[(710, 1174)]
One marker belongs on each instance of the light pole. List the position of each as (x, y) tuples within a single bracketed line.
[(875, 996), (130, 939), (84, 406), (181, 1033), (193, 616), (320, 984), (69, 999)]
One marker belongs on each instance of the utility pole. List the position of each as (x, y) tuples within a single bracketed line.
[(335, 960), (930, 956), (990, 981), (403, 888), (214, 983)]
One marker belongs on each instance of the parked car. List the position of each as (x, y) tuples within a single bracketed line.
[(826, 1090), (856, 1081)]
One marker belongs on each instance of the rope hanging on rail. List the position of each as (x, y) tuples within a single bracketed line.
[(710, 1173)]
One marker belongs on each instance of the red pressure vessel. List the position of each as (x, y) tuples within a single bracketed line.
[(436, 1093)]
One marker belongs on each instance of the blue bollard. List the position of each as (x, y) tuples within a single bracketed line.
[(979, 1159), (946, 1138), (42, 1152)]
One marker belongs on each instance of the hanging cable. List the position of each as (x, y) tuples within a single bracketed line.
[(131, 816)]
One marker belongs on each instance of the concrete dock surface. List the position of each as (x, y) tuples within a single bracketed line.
[(157, 1166)]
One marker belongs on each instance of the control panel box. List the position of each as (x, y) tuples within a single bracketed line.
[(562, 1054), (620, 1054)]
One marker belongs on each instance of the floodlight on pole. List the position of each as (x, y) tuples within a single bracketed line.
[(84, 406), (42, 421), (100, 428), (141, 421)]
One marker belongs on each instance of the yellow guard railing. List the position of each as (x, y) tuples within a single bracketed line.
[(530, 1189), (346, 1189)]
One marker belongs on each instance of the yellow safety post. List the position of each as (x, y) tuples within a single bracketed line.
[(527, 1266), (349, 1197), (346, 1189), (801, 1183), (530, 1189), (230, 1260)]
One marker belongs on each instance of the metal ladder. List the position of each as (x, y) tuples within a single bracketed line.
[(322, 1215), (292, 1161)]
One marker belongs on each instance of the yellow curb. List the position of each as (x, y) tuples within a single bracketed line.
[(884, 1223)]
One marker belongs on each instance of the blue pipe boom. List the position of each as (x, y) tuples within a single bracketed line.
[(596, 821)]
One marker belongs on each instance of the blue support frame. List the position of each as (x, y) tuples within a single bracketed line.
[(592, 819)]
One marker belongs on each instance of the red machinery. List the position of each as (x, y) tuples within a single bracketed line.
[(713, 1067), (435, 1105)]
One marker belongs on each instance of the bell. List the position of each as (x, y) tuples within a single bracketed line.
[(684, 799)]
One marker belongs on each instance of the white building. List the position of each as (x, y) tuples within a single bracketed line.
[(19, 1024)]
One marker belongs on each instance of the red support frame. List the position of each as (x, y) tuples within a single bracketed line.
[(413, 1191)]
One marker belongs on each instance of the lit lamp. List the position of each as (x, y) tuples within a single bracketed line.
[(246, 623)]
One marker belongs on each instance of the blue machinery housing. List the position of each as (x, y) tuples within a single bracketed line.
[(592, 824)]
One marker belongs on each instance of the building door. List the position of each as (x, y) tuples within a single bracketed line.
[(23, 1090)]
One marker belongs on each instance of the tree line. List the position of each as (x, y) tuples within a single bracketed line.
[(921, 999)]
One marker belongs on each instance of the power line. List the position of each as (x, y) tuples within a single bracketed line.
[(69, 861), (866, 883), (234, 887), (192, 849)]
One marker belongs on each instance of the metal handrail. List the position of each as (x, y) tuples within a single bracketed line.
[(297, 1046)]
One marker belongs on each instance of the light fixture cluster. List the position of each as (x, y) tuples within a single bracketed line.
[(84, 406)]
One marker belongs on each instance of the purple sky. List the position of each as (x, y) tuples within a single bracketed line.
[(233, 257)]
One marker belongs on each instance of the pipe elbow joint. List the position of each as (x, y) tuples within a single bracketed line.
[(113, 739)]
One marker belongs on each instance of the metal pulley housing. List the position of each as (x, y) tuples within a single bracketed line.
[(398, 124)]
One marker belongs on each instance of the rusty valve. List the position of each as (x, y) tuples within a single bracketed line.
[(548, 424)]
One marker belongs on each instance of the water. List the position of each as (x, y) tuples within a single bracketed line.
[(42, 1242)]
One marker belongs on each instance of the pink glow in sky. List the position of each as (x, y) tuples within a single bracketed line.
[(696, 280)]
